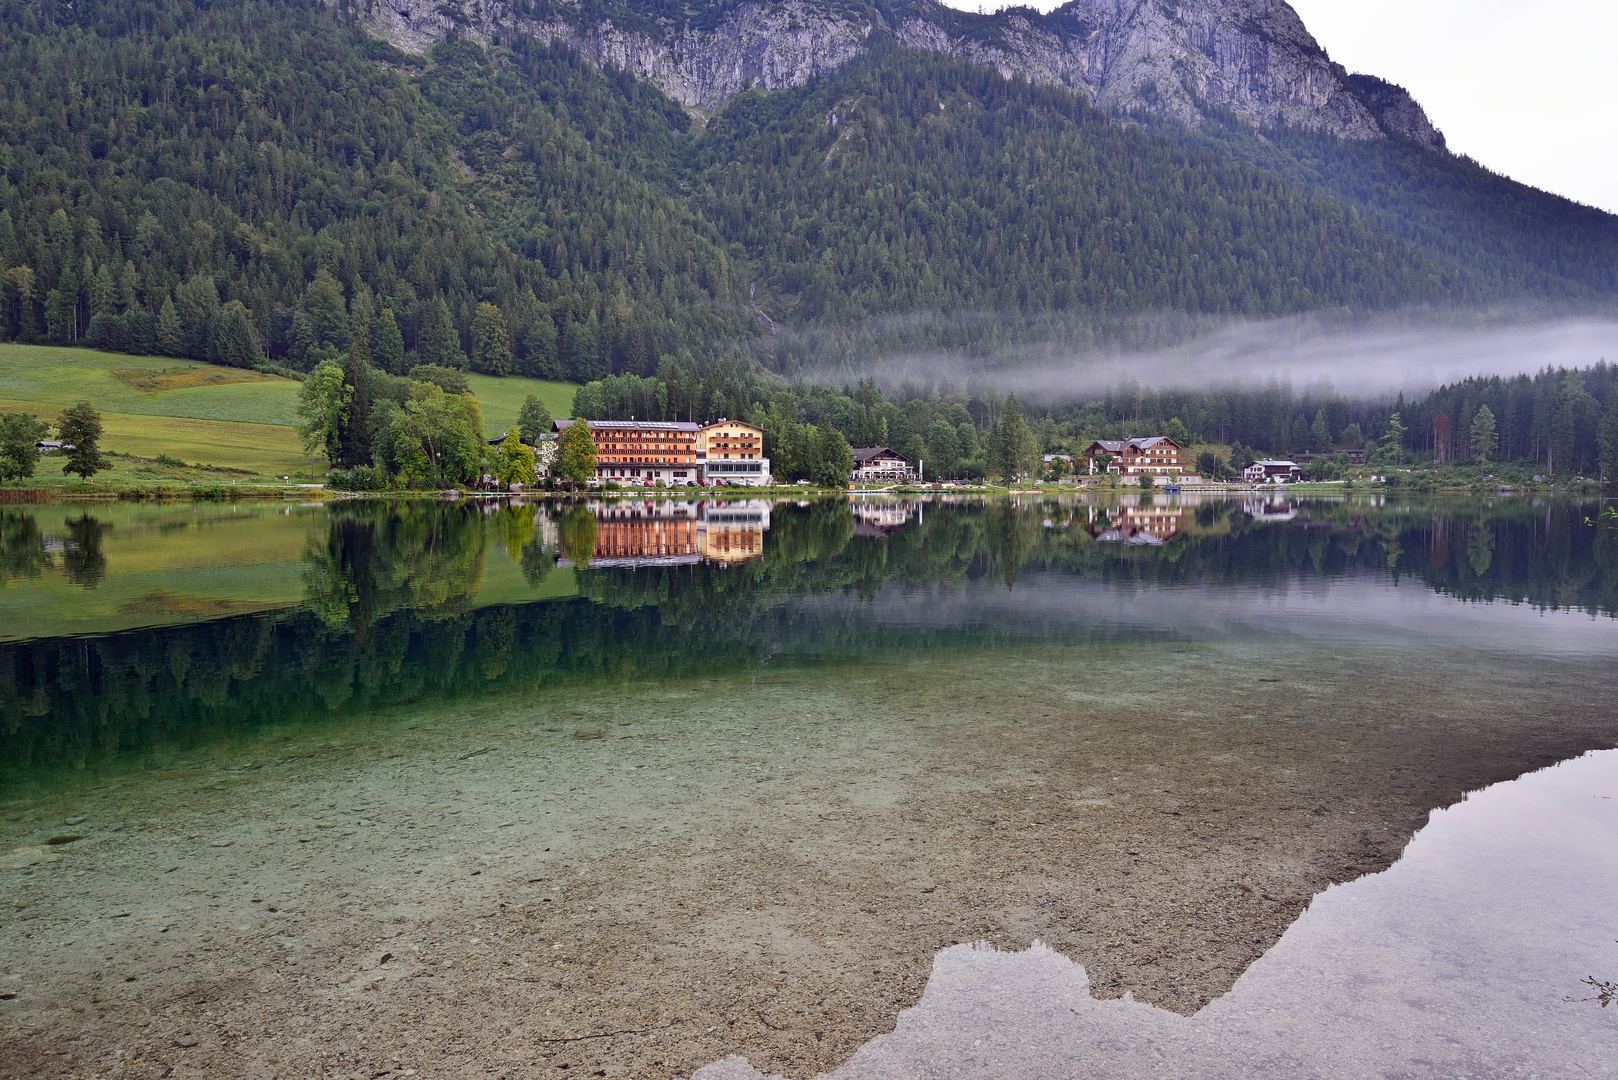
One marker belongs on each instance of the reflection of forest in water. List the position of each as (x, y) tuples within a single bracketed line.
[(390, 617)]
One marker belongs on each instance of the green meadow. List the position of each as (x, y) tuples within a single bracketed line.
[(502, 398), (201, 413)]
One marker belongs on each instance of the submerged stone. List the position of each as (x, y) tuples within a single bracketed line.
[(28, 856)]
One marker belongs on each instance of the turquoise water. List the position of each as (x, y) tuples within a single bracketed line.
[(724, 777)]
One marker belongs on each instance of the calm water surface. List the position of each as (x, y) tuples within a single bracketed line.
[(731, 774)]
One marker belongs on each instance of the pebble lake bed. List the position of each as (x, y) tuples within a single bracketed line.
[(718, 817)]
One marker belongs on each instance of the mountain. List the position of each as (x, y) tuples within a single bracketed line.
[(1178, 59), (650, 185)]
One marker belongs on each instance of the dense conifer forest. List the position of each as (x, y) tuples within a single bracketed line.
[(258, 183), (223, 181)]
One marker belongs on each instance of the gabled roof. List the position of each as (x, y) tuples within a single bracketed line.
[(1117, 446), (868, 453)]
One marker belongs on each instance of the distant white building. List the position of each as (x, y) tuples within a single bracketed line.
[(878, 464), (1269, 471)]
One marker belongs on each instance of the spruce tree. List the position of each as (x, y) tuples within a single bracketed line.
[(533, 420), (235, 343), (169, 334), (356, 430), (439, 342), (491, 341), (197, 301), (387, 344), (20, 301), (1483, 437)]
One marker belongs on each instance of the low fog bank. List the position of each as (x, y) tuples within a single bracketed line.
[(1361, 358)]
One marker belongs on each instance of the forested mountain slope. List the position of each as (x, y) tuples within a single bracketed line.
[(239, 180)]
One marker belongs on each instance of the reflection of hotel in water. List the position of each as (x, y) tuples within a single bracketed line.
[(1265, 510), (677, 532), (1150, 525), (874, 517)]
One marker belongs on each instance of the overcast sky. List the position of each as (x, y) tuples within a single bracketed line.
[(1529, 89)]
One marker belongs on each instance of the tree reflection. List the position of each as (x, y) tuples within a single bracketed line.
[(22, 546), (380, 559), (83, 560), (578, 534), (391, 617)]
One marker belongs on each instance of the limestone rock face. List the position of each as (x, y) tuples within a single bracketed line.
[(1176, 58)]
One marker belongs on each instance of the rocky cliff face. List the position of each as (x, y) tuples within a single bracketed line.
[(1178, 58)]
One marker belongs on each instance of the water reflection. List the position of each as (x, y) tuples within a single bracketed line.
[(27, 548), (663, 532), (394, 601), (1467, 958)]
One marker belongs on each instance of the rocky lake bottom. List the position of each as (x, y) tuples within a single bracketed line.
[(759, 870)]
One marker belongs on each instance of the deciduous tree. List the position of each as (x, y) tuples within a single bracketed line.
[(322, 407), (576, 456), (20, 434), (80, 427), (512, 462)]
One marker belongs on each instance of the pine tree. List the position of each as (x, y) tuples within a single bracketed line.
[(491, 341), (533, 420), (1483, 437), (235, 343), (387, 344), (355, 438), (169, 333)]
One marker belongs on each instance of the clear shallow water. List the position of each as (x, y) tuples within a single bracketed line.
[(1456, 962), (771, 758)]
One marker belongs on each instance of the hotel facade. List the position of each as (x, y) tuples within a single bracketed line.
[(733, 451), (648, 451)]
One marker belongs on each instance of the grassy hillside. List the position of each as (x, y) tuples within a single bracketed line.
[(154, 406), (202, 413), (501, 398), (143, 385)]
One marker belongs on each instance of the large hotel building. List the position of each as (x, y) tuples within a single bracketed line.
[(648, 451), (675, 453)]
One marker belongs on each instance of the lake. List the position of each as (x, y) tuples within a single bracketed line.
[(1122, 786)]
